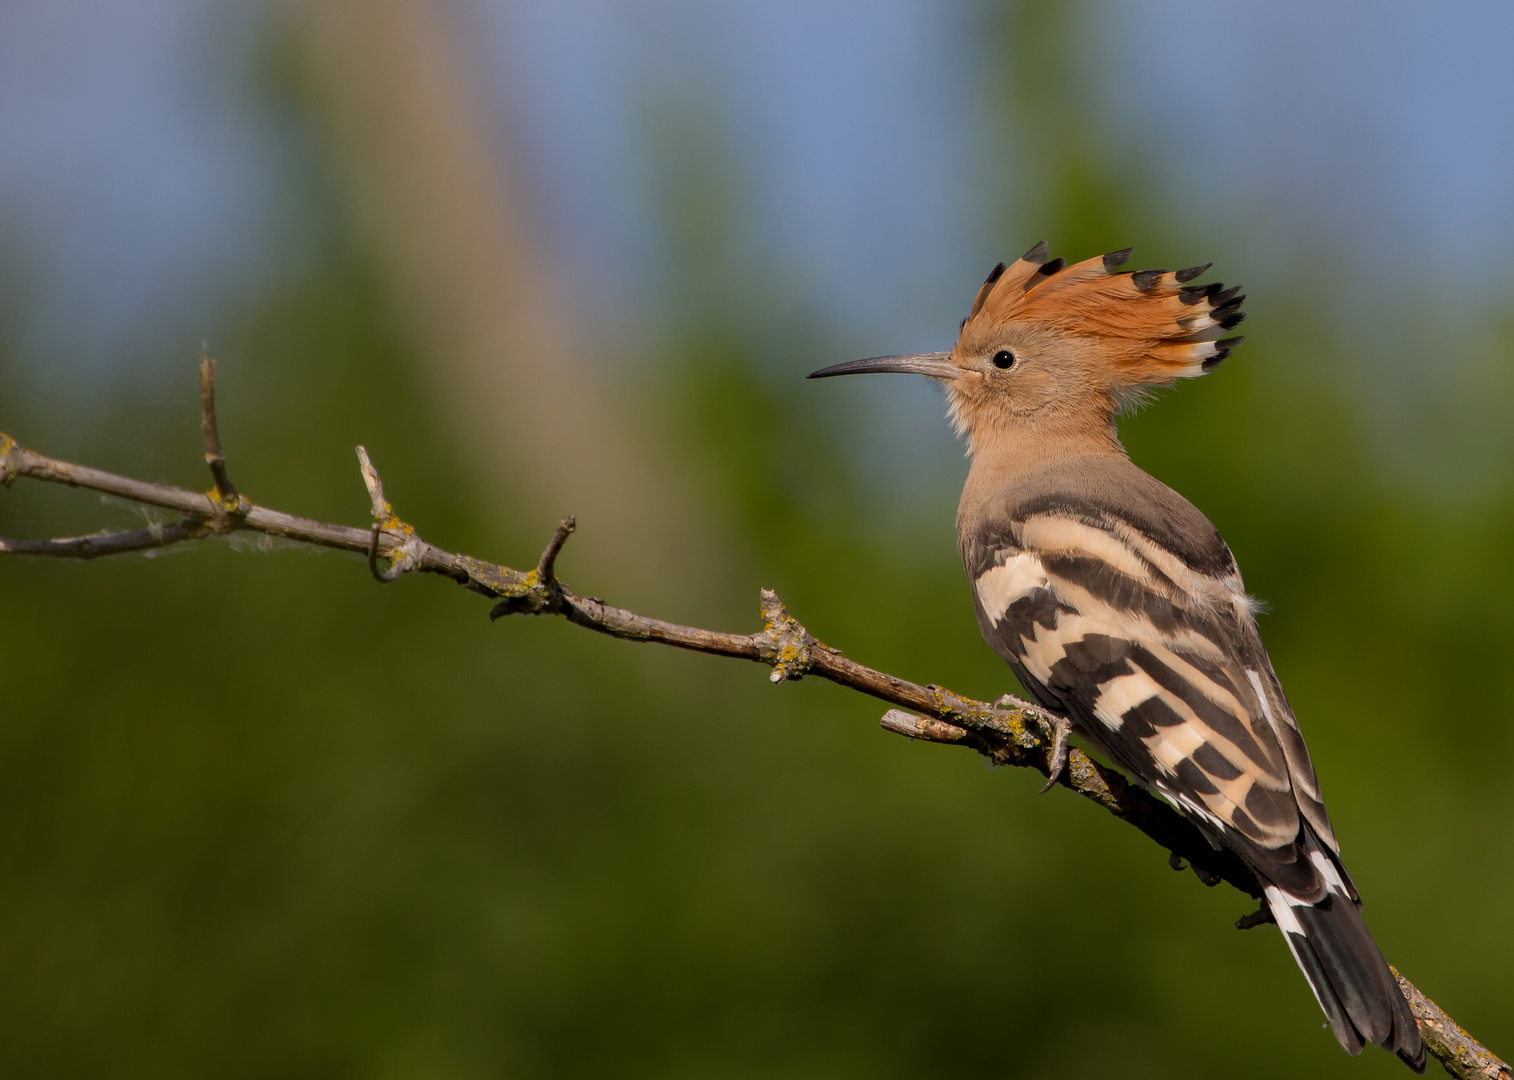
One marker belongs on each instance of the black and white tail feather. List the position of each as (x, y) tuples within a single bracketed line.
[(1349, 977)]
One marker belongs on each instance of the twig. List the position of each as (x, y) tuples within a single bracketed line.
[(1462, 1055), (406, 553), (548, 561), (116, 543), (1010, 732), (1260, 917), (225, 492)]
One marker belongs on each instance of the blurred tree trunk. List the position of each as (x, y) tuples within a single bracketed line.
[(446, 217)]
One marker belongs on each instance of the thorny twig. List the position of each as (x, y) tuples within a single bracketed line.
[(1009, 732)]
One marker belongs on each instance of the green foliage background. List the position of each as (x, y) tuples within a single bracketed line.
[(259, 816)]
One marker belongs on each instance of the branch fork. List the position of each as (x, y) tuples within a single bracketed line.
[(405, 549), (229, 508), (547, 564), (784, 644), (538, 591)]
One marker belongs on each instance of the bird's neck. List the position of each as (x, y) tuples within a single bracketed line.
[(1008, 454)]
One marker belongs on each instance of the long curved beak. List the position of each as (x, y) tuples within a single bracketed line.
[(937, 365)]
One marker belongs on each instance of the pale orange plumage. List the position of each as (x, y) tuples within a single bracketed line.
[(1150, 327)]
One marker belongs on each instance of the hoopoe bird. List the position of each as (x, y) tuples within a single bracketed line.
[(1119, 606)]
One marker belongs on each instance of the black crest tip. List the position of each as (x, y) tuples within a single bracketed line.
[(1049, 268), (1231, 307), (1117, 259), (1222, 349), (1192, 272), (1036, 254), (994, 275), (1146, 279)]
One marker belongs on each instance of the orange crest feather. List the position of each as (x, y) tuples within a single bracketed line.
[(1150, 325)]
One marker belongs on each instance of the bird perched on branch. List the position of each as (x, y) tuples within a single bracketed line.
[(1121, 609)]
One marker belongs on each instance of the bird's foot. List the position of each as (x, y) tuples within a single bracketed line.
[(1057, 730), (1208, 877)]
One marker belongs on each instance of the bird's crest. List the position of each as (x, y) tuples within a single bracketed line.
[(1151, 325)]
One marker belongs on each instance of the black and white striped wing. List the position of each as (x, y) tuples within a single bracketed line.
[(1159, 664), (1155, 658)]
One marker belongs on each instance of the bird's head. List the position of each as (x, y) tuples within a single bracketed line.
[(1056, 345)]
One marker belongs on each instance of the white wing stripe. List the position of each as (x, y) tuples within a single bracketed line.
[(1066, 536), (1018, 577), (1261, 696), (1119, 695), (1327, 871)]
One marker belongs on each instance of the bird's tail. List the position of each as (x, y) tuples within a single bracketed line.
[(1349, 977)]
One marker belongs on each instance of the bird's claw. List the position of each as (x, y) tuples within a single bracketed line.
[(1057, 730)]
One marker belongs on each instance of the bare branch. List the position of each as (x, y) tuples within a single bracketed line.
[(1008, 732), (117, 543), (406, 552), (1260, 917), (226, 493), (1463, 1056), (921, 727), (548, 561), (381, 508)]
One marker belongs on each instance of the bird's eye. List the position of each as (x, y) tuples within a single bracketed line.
[(1004, 359)]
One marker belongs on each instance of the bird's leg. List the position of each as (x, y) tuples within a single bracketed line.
[(1057, 729)]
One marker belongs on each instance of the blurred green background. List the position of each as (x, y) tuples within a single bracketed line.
[(260, 816)]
